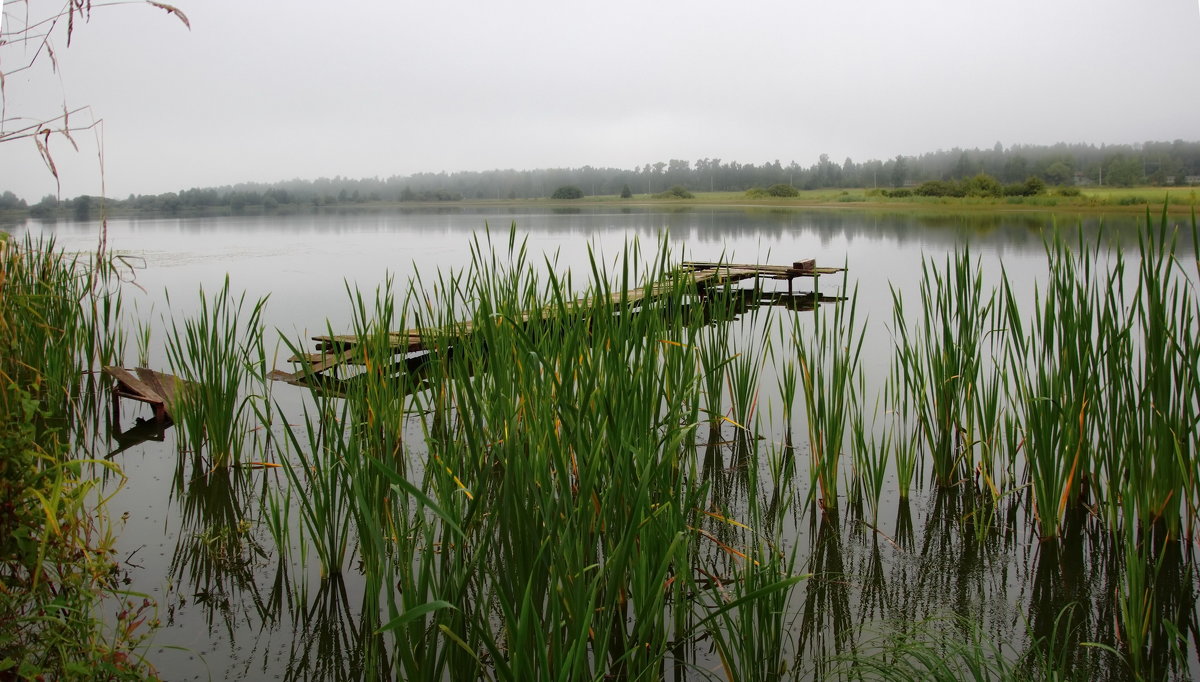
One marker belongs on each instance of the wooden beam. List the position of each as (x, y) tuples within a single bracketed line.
[(131, 386)]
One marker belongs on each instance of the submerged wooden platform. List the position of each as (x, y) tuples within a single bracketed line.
[(333, 351), (157, 389)]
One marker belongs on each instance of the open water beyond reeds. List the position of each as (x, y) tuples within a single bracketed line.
[(980, 463)]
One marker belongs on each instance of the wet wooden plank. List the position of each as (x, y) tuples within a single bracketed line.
[(398, 341), (320, 362), (132, 386), (164, 385), (815, 272), (801, 267), (158, 389), (716, 265), (295, 378)]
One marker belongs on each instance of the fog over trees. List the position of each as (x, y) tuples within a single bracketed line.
[(1149, 163)]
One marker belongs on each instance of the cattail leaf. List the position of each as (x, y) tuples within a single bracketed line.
[(414, 613)]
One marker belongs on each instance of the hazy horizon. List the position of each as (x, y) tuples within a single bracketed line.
[(267, 92)]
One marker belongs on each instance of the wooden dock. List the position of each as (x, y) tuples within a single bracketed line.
[(334, 351)]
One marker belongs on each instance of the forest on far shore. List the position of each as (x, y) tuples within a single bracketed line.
[(1151, 163)]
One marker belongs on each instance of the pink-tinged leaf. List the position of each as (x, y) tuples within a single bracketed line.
[(43, 145), (66, 127), (170, 9), (53, 59)]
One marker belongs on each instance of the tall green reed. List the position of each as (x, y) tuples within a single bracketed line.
[(1155, 595), (552, 517), (70, 320), (929, 650), (742, 377), (832, 384), (871, 455), (754, 616), (1104, 397), (940, 359), (557, 445), (900, 430), (316, 471), (1160, 483), (1053, 368), (220, 356)]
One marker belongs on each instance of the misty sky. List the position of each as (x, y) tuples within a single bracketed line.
[(266, 90)]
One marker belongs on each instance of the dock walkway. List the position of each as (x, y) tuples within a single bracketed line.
[(334, 351)]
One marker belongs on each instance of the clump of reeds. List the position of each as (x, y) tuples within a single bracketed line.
[(56, 321), (1105, 392), (939, 360), (929, 650), (557, 443), (872, 454), (1052, 363), (320, 487), (832, 384), (1163, 407), (545, 494), (219, 355), (70, 319)]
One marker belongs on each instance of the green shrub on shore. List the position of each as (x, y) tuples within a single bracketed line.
[(567, 192), (780, 190), (982, 185), (676, 192)]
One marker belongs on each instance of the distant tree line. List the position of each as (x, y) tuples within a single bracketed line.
[(11, 202), (1153, 163)]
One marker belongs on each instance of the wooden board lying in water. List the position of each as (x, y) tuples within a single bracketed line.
[(157, 389), (801, 268), (333, 351)]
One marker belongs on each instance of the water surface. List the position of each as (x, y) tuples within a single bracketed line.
[(225, 613)]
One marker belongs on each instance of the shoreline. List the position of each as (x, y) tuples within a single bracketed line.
[(1179, 201)]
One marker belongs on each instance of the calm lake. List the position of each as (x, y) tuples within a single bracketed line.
[(246, 618)]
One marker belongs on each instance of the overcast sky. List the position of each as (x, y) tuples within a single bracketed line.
[(266, 90)]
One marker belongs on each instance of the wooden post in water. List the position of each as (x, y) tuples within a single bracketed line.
[(807, 265)]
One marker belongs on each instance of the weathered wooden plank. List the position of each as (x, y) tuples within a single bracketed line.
[(797, 268), (158, 389), (296, 378), (326, 361), (132, 385), (166, 385), (702, 266), (815, 272), (406, 341), (397, 339)]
